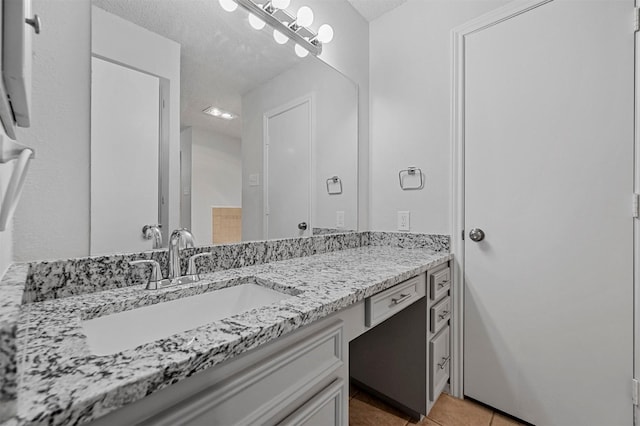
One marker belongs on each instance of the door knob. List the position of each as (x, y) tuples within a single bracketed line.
[(476, 234), (302, 226)]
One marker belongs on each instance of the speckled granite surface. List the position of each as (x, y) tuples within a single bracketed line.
[(71, 277), (326, 231), (407, 240), (61, 382), (63, 278), (11, 290)]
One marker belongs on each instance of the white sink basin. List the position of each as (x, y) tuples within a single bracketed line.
[(114, 333)]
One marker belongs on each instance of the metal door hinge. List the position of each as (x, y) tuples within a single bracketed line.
[(636, 205), (635, 390), (463, 234), (636, 14)]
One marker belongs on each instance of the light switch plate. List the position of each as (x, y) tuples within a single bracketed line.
[(254, 180), (403, 221), (340, 219)]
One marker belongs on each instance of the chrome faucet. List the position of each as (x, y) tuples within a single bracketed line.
[(152, 232), (180, 238)]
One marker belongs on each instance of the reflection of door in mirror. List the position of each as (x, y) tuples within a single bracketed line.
[(287, 170), (125, 131)]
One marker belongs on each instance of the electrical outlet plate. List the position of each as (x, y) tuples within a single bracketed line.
[(340, 219), (403, 221)]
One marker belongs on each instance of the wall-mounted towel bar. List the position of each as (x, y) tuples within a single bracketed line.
[(9, 151), (334, 185), (410, 172)]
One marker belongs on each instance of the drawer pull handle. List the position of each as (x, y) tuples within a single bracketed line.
[(444, 363), (400, 299), (443, 283), (443, 315)]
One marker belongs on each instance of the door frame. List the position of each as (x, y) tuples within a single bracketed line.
[(308, 99), (458, 35), (636, 224)]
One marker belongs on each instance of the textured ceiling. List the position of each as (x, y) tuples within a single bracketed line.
[(372, 9), (222, 57)]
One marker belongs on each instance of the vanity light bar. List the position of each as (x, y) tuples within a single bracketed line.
[(282, 21)]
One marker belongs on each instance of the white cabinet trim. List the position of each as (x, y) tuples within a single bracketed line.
[(332, 393)]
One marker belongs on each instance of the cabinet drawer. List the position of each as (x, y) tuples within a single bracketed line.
[(323, 409), (383, 305), (440, 314), (440, 284), (439, 358), (263, 391)]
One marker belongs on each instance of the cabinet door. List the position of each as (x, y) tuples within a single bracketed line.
[(263, 391), (324, 409), (439, 357)]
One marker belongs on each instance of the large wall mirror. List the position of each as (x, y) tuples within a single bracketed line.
[(199, 121)]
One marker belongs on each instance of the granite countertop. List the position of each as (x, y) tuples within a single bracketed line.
[(61, 382)]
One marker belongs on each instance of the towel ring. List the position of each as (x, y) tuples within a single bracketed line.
[(334, 180), (410, 171)]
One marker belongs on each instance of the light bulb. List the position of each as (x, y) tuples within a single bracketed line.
[(301, 51), (279, 37), (325, 33), (304, 17), (280, 4), (228, 5), (256, 22)]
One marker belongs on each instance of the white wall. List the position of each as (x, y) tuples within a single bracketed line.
[(52, 219), (410, 106), (335, 151), (216, 178)]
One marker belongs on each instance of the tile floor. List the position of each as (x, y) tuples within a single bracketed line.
[(366, 410)]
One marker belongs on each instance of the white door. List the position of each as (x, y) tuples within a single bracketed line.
[(124, 157), (549, 177), (288, 171)]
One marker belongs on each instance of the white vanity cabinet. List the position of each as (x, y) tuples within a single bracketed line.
[(438, 335), (300, 378), (394, 343), (405, 359)]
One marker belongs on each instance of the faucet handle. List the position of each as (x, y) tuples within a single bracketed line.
[(193, 268), (156, 275)]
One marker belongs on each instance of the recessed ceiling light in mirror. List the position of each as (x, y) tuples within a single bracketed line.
[(218, 113)]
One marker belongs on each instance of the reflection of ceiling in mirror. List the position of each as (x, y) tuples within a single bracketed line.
[(222, 57)]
